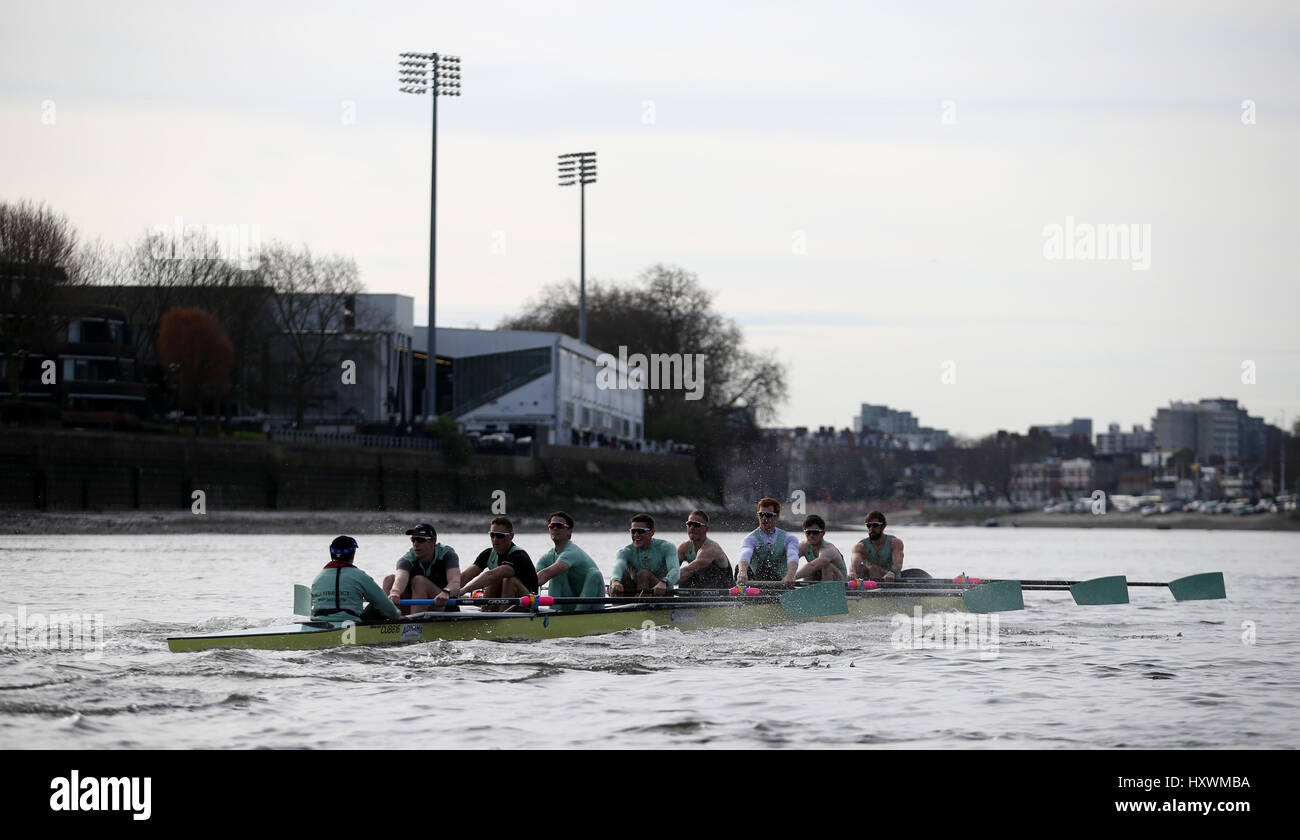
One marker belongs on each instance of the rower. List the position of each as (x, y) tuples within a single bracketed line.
[(773, 553), (427, 570), (568, 569), (503, 570), (825, 562), (703, 563), (340, 588), (879, 556), (646, 567)]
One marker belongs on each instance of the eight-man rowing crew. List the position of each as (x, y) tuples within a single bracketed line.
[(649, 567)]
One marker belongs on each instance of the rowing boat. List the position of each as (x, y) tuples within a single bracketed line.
[(814, 602), (687, 614)]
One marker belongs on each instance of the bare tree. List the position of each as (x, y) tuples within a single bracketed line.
[(38, 249), (159, 273), (312, 313)]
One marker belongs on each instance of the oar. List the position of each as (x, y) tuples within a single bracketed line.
[(815, 601), (301, 600), (1006, 595), (546, 600), (525, 601), (1003, 595)]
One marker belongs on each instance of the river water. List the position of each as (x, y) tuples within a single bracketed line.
[(1151, 674)]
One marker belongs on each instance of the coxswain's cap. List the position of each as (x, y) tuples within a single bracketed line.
[(343, 547)]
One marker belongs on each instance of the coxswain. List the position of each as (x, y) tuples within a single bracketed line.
[(339, 590)]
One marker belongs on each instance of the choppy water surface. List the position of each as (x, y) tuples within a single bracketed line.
[(1152, 674)]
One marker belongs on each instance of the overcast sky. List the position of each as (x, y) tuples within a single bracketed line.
[(869, 189)]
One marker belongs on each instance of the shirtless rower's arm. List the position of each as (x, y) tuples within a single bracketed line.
[(827, 555), (705, 558), (858, 571), (897, 564)]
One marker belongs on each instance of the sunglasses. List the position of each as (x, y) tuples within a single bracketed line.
[(875, 524), (557, 526), (497, 535), (418, 540), (635, 531), (694, 524), (765, 515), (811, 531)]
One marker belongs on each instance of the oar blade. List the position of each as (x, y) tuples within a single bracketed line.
[(301, 600), (1207, 586), (816, 601), (999, 596), (1103, 590)]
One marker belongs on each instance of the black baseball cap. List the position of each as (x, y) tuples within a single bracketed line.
[(424, 529)]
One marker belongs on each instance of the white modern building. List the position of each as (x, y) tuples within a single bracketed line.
[(536, 384), (540, 385)]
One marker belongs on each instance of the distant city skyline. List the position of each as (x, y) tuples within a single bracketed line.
[(990, 216)]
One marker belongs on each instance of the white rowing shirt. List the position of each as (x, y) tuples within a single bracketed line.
[(752, 542)]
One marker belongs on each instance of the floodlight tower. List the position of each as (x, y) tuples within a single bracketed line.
[(580, 168), (437, 75)]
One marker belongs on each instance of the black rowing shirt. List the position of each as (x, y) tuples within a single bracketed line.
[(517, 559)]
